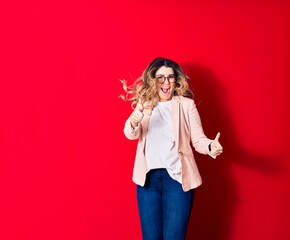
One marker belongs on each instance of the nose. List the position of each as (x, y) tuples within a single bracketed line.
[(166, 78)]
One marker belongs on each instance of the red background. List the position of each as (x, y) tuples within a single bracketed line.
[(65, 165)]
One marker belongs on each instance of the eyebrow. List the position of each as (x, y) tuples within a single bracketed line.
[(164, 74)]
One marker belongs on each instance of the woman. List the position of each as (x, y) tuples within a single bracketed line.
[(166, 122)]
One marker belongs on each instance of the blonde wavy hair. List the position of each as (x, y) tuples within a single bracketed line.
[(145, 87)]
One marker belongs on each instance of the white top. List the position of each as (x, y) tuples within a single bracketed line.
[(161, 150)]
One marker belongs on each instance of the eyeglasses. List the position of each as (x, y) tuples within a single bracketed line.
[(161, 78)]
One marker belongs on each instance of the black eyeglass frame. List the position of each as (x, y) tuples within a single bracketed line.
[(161, 78)]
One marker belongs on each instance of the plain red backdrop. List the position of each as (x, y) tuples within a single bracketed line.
[(65, 165)]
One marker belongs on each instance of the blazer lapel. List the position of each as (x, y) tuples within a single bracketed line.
[(175, 118), (145, 121)]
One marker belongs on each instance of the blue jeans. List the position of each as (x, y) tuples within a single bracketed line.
[(164, 208)]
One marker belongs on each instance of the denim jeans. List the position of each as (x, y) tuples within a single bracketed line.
[(164, 208)]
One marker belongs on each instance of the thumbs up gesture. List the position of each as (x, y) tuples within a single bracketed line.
[(137, 115), (216, 147)]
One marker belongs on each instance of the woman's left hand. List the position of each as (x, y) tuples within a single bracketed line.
[(216, 147)]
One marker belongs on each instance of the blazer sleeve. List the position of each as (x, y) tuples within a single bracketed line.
[(130, 133), (199, 140)]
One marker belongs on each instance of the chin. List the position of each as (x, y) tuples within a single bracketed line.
[(164, 99)]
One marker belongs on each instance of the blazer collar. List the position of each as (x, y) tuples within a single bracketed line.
[(176, 98)]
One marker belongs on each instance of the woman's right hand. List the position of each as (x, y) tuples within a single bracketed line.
[(137, 115)]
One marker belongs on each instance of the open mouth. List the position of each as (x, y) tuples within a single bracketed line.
[(165, 89)]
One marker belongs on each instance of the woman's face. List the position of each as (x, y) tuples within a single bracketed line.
[(165, 83)]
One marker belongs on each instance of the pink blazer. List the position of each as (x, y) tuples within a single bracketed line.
[(187, 130)]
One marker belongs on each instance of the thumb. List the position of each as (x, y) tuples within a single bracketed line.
[(140, 106), (217, 137)]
